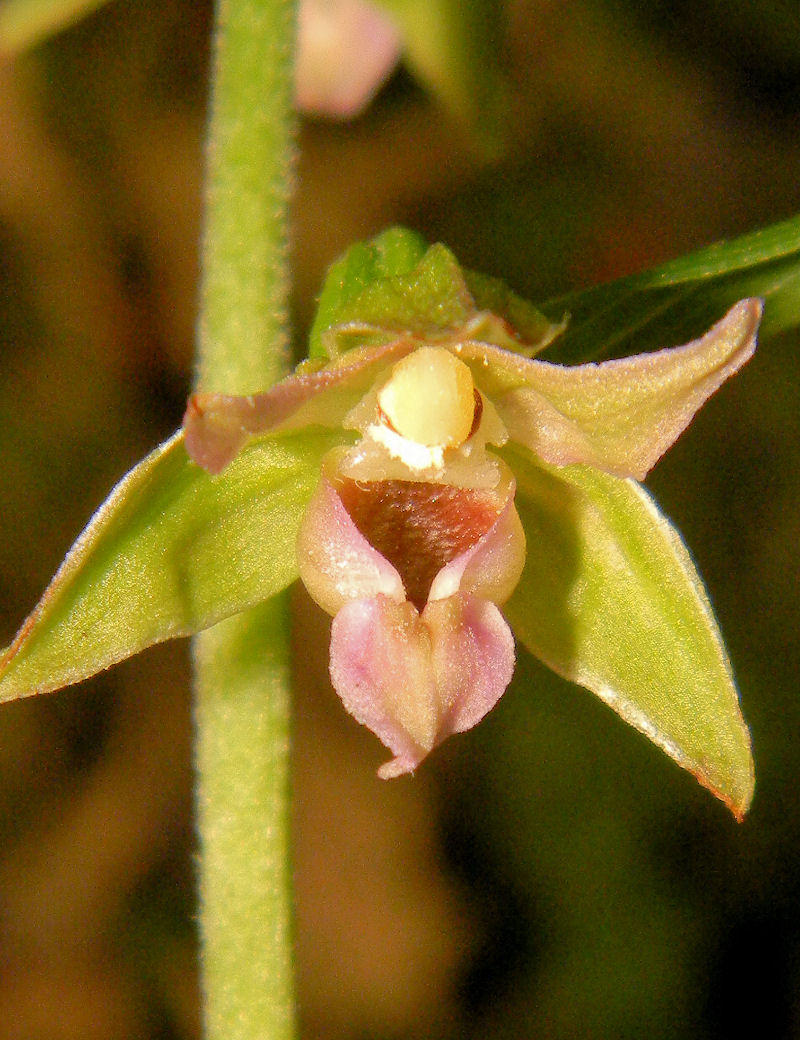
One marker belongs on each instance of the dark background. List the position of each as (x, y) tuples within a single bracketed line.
[(548, 874)]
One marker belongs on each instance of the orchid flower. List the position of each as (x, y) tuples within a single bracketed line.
[(436, 485), (450, 430)]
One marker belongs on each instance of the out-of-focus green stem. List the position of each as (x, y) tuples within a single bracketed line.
[(241, 665)]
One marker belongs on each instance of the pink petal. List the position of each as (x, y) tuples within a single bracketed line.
[(218, 425), (345, 51), (416, 680)]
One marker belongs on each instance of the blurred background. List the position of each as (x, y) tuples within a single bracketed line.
[(549, 874)]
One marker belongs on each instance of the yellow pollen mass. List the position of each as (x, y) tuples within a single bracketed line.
[(430, 398)]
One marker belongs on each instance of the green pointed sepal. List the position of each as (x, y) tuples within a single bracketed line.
[(611, 600), (170, 552)]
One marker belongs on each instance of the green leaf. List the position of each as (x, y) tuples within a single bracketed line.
[(24, 23), (681, 299), (610, 599), (171, 551)]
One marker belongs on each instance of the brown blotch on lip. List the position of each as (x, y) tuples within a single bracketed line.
[(419, 527)]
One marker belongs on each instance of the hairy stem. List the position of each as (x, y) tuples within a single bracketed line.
[(241, 665)]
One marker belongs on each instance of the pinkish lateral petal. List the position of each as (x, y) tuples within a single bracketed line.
[(619, 416), (416, 680), (218, 425)]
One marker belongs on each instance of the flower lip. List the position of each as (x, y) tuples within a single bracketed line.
[(408, 540), (419, 527), (416, 679)]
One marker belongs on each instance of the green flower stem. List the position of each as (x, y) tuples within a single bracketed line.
[(245, 878), (243, 322), (241, 665)]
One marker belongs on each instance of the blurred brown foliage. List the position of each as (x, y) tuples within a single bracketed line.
[(548, 875)]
